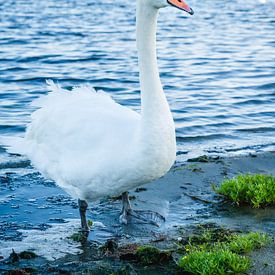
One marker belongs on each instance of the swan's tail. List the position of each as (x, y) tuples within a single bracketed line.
[(54, 87)]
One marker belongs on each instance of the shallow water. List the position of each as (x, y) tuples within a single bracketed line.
[(217, 67)]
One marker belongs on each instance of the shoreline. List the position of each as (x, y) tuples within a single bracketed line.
[(184, 196)]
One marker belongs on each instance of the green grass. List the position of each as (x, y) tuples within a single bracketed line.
[(248, 242), (215, 252), (220, 261), (257, 190)]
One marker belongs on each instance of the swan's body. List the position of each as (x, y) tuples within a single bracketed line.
[(93, 147)]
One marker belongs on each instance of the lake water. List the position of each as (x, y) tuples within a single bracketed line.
[(217, 67)]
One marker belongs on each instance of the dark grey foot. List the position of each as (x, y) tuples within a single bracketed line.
[(144, 216), (83, 205)]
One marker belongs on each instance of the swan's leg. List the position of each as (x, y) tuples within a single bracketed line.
[(142, 215), (83, 205), (126, 207)]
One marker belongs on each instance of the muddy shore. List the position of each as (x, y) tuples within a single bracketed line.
[(38, 216)]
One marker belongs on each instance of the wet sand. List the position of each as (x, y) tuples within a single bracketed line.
[(36, 215)]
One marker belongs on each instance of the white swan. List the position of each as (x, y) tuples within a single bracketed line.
[(93, 147)]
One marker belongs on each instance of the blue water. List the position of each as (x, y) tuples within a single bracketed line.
[(217, 67)]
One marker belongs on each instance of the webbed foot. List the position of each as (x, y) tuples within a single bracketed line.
[(144, 216)]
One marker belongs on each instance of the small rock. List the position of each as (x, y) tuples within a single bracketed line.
[(110, 246), (27, 255), (14, 257), (204, 158), (140, 189), (17, 272)]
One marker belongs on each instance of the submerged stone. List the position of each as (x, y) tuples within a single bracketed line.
[(149, 255), (204, 158), (27, 255), (14, 257)]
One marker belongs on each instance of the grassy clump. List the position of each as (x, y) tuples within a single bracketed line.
[(248, 242), (149, 255), (257, 190), (210, 235), (220, 261), (216, 251)]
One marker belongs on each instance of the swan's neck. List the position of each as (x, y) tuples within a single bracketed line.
[(155, 111)]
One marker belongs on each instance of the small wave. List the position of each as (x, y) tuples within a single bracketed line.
[(2, 149), (12, 69), (255, 147), (261, 114), (21, 163), (205, 137), (13, 41), (267, 86), (42, 80), (75, 60), (26, 79), (36, 58), (12, 128), (202, 127), (251, 102), (256, 130), (60, 33)]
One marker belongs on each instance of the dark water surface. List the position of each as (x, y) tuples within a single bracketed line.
[(217, 67)]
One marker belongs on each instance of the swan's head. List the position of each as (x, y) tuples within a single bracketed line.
[(180, 4)]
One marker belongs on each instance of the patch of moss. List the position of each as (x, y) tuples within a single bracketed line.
[(220, 261), (216, 250), (149, 255), (77, 237), (90, 223), (209, 234), (257, 190)]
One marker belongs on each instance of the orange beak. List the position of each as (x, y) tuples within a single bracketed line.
[(180, 4)]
